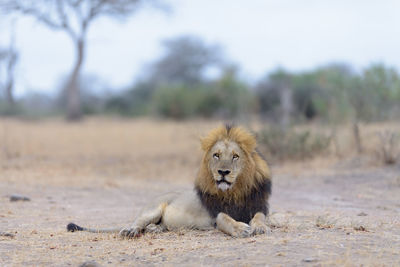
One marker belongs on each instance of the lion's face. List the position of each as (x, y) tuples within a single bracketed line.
[(226, 161), (231, 167)]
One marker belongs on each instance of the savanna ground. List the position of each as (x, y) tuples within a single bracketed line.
[(98, 173)]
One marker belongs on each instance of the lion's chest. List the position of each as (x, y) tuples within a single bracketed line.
[(240, 213), (243, 212)]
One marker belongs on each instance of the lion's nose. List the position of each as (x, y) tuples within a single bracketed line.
[(225, 172)]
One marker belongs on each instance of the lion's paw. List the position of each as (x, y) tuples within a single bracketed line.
[(241, 230), (260, 229), (154, 228), (130, 232)]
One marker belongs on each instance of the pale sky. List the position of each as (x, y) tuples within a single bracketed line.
[(259, 35)]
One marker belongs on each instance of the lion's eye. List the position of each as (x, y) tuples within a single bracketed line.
[(216, 156), (235, 156)]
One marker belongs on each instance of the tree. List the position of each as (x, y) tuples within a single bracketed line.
[(230, 95), (9, 58), (3, 58), (12, 58), (11, 61), (275, 96), (186, 60), (380, 91), (74, 18), (374, 96), (133, 102), (176, 85), (93, 93)]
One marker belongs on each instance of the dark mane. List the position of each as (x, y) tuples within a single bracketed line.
[(244, 211)]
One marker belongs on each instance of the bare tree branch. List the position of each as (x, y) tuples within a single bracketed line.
[(62, 13), (73, 17), (35, 11), (9, 58)]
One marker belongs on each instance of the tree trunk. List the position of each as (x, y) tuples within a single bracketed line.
[(286, 107), (9, 92), (334, 137), (73, 92), (12, 57), (357, 137), (9, 86)]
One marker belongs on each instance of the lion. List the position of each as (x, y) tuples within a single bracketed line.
[(231, 192)]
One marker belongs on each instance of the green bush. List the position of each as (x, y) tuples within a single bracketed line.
[(133, 102), (292, 144), (178, 102), (7, 109), (226, 98), (233, 96)]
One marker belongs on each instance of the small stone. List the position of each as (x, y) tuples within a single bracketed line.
[(360, 228), (7, 234), (14, 198), (310, 260), (362, 214), (90, 264)]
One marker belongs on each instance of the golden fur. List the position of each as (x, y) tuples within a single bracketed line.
[(254, 172)]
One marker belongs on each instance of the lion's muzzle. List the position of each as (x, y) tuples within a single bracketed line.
[(223, 173), (223, 184)]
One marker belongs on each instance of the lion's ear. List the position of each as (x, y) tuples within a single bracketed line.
[(212, 137), (245, 139), (248, 145)]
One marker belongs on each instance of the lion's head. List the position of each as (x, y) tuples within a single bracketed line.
[(231, 167)]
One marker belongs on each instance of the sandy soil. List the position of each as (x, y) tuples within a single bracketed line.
[(100, 172)]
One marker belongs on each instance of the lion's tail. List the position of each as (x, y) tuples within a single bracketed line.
[(72, 227)]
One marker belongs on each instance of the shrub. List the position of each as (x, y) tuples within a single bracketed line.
[(133, 102), (388, 147), (178, 102), (292, 144), (7, 109), (226, 98)]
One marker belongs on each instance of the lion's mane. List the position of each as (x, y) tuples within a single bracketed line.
[(252, 188)]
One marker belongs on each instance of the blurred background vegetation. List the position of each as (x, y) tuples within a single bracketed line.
[(195, 79), (177, 87)]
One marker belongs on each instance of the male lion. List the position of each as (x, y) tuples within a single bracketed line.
[(231, 192)]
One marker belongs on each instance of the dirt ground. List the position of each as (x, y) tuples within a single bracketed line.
[(99, 173)]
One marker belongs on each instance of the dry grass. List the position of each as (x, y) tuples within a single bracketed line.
[(370, 137), (100, 172), (100, 148)]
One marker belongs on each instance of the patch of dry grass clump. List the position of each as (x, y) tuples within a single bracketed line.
[(292, 143), (325, 222), (388, 147)]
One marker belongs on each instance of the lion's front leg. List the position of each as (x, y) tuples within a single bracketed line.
[(229, 226), (258, 224)]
